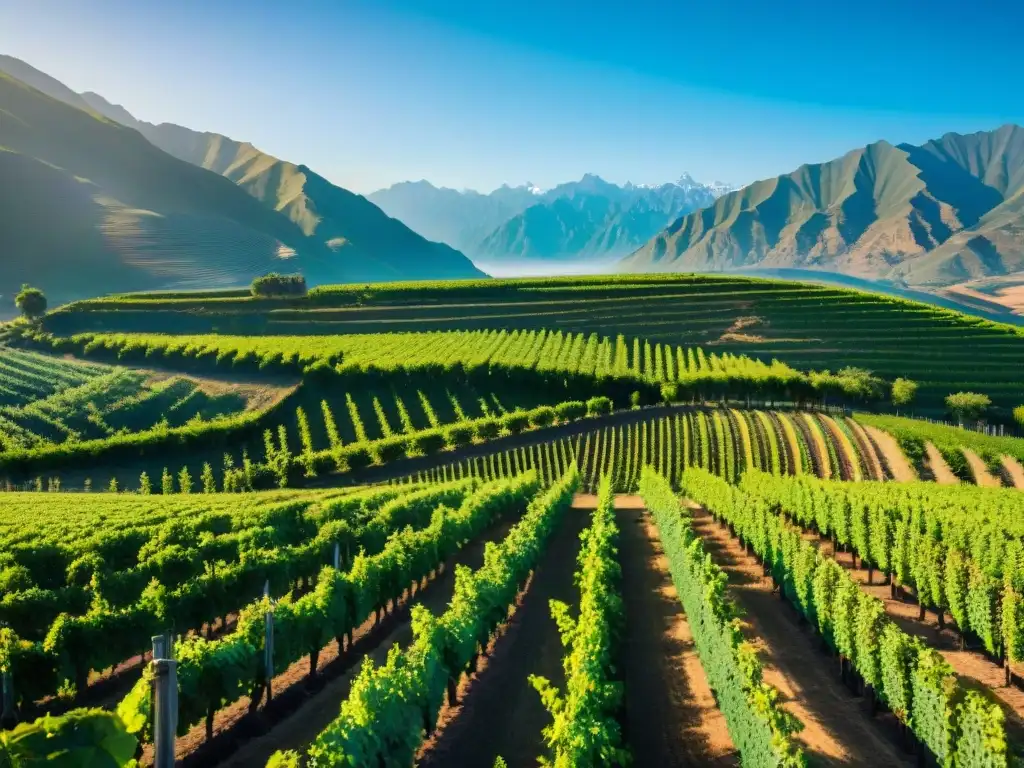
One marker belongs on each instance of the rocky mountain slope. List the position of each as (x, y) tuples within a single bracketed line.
[(106, 202), (941, 213)]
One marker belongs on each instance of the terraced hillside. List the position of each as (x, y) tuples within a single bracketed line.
[(805, 326), (48, 402), (378, 398)]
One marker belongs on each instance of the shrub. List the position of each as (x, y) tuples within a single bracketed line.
[(459, 434), (279, 285), (355, 457), (570, 411), (634, 399), (429, 442), (543, 416), (488, 428), (391, 450), (516, 421), (598, 406), (1018, 415)]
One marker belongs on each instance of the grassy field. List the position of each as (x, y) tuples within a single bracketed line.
[(805, 326)]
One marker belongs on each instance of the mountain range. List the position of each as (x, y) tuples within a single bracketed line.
[(948, 211), (589, 219), (94, 201)]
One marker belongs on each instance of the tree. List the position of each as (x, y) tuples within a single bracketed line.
[(31, 301), (184, 481), (860, 383), (279, 285), (145, 487), (208, 480), (968, 406), (903, 392), (166, 483), (1018, 415)]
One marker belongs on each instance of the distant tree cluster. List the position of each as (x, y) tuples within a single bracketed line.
[(279, 285)]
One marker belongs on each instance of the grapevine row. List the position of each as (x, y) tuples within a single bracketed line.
[(391, 707), (585, 729), (762, 730), (958, 726)]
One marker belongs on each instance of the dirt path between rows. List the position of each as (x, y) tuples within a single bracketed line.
[(867, 450), (499, 712), (317, 711), (889, 448), (971, 666), (980, 472), (622, 501), (672, 719), (1014, 471), (939, 468), (837, 731)]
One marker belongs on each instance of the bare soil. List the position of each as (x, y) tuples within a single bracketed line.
[(498, 711), (1014, 471), (939, 468), (259, 394), (899, 465), (622, 501), (672, 719), (303, 709), (981, 474), (837, 729)]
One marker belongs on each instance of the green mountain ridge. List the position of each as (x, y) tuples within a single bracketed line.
[(92, 205), (945, 212)]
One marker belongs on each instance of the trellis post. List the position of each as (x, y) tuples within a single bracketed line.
[(166, 702)]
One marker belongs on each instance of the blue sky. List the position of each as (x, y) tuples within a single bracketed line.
[(476, 94)]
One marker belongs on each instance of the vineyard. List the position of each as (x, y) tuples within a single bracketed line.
[(26, 377), (469, 539), (973, 456), (374, 399), (805, 326)]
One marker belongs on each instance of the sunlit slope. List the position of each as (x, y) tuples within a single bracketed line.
[(88, 207), (371, 244), (937, 214)]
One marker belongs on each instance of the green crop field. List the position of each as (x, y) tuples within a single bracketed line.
[(806, 326), (404, 515)]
